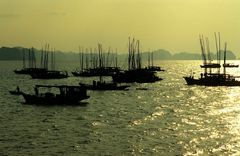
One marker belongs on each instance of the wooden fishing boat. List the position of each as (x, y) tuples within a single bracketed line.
[(98, 64), (150, 66), (208, 78), (135, 72), (66, 95)]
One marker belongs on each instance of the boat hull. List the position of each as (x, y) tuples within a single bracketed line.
[(211, 82), (105, 87), (49, 75), (108, 71), (139, 76), (16, 92), (54, 100)]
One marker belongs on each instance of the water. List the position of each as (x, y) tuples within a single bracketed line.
[(170, 118)]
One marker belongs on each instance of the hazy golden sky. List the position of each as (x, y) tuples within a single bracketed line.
[(169, 24)]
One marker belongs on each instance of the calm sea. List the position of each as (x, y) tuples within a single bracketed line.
[(170, 118)]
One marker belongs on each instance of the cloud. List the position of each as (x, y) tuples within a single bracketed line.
[(9, 16)]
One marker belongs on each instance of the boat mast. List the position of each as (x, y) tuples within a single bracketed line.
[(41, 65), (138, 55), (116, 59), (203, 53), (224, 63), (34, 58), (54, 59), (133, 55), (79, 54), (129, 53), (82, 59), (152, 58), (29, 58), (23, 56), (209, 54), (91, 58), (219, 49), (149, 59), (100, 59)]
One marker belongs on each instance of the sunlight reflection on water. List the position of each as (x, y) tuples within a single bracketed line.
[(170, 118)]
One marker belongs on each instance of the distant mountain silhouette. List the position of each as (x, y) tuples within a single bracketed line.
[(15, 53)]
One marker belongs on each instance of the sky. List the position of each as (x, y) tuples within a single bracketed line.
[(173, 25)]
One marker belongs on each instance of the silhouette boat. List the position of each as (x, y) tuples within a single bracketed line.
[(46, 73), (136, 75), (102, 85), (99, 85), (150, 66), (92, 67), (104, 71), (208, 78), (31, 64), (135, 72), (66, 95), (213, 80)]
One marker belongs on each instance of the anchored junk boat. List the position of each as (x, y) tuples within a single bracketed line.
[(46, 73), (92, 67), (66, 95), (150, 66), (102, 85), (31, 67), (208, 78), (135, 72)]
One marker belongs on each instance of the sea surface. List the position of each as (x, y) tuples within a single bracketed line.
[(170, 118)]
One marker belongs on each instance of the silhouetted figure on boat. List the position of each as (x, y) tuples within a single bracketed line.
[(16, 91)]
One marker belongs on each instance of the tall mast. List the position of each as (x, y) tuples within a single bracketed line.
[(138, 53), (100, 59), (133, 55), (34, 58), (152, 58), (208, 50), (129, 54), (54, 59), (219, 49), (41, 65), (29, 58), (79, 53), (116, 58), (23, 56), (203, 52), (82, 59), (224, 65), (149, 58), (91, 58), (209, 54), (216, 47), (86, 58)]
